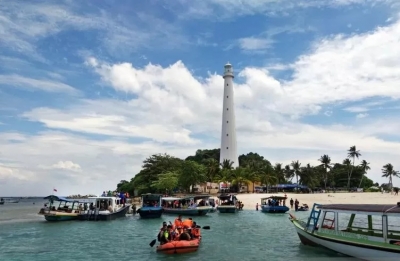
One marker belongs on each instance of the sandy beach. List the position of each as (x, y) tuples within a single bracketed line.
[(250, 200)]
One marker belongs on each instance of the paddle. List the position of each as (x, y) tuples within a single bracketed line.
[(152, 243)]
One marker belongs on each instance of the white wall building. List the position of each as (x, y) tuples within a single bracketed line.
[(228, 133)]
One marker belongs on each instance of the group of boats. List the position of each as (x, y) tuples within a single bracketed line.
[(365, 231), (154, 205)]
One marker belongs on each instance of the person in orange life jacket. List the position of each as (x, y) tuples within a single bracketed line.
[(178, 221), (195, 231), (188, 223)]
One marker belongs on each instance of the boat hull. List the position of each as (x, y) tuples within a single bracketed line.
[(359, 250), (91, 215), (227, 209), (179, 247), (1, 202), (150, 212), (199, 211), (274, 209), (57, 218)]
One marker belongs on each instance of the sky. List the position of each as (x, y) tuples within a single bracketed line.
[(89, 89)]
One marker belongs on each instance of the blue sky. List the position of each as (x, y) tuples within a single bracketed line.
[(88, 90)]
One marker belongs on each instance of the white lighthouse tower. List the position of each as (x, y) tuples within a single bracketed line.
[(228, 134)]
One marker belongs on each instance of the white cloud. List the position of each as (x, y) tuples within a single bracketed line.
[(362, 115), (29, 83), (225, 9), (255, 44), (171, 110), (40, 20)]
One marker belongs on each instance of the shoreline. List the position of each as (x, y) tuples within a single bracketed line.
[(250, 200)]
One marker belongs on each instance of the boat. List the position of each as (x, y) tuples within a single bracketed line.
[(274, 204), (1, 201), (228, 203), (196, 205), (11, 200), (180, 246), (151, 206), (371, 232), (211, 201), (104, 209), (67, 209), (303, 208)]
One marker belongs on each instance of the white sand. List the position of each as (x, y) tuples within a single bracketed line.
[(250, 200)]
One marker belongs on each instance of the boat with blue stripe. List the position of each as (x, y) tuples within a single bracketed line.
[(274, 204), (151, 206), (68, 209)]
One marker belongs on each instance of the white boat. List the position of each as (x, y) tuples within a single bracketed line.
[(367, 232), (104, 208)]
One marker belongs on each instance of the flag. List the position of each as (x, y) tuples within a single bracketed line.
[(54, 190)]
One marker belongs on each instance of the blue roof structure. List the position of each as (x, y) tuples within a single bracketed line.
[(61, 199), (289, 186)]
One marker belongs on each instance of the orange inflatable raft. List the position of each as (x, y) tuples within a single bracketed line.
[(179, 247)]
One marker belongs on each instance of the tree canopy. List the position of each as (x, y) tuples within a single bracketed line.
[(163, 173)]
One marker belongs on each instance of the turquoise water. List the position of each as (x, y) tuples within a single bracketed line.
[(247, 235)]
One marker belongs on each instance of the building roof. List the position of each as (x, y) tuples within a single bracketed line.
[(364, 208)]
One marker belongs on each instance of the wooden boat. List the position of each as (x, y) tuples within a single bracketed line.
[(274, 204), (67, 209), (151, 206), (303, 208), (228, 203), (196, 205), (371, 232), (104, 209)]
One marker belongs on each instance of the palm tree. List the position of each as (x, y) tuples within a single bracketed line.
[(307, 176), (227, 164), (267, 176), (254, 172), (289, 174), (352, 153), (239, 176), (389, 172), (326, 164), (279, 173), (364, 166), (212, 171), (296, 170)]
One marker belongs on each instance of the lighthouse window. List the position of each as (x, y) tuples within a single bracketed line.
[(227, 84), (226, 147), (227, 96), (227, 109), (227, 134), (227, 121)]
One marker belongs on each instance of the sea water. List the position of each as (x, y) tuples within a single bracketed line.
[(247, 235)]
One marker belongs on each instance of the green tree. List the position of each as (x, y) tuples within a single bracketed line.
[(326, 164), (352, 153), (166, 181), (279, 173), (296, 170), (389, 172), (191, 173), (365, 167)]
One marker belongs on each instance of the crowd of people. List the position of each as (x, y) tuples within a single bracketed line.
[(180, 230)]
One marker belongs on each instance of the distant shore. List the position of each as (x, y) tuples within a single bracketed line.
[(250, 200)]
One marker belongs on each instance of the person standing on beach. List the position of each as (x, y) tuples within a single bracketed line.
[(257, 207), (296, 205), (291, 203)]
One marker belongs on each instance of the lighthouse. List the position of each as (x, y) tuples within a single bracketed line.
[(228, 133)]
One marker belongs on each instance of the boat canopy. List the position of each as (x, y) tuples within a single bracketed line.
[(171, 199), (61, 199), (275, 197), (151, 197), (369, 208), (226, 196)]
